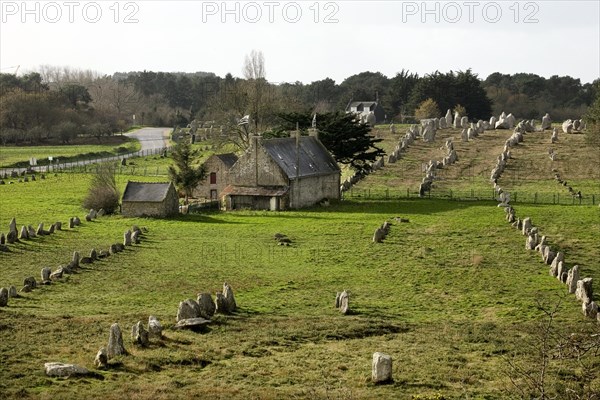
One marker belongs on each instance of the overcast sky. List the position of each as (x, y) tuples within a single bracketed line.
[(305, 40)]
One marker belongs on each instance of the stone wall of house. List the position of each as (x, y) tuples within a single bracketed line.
[(213, 164), (264, 172), (309, 191)]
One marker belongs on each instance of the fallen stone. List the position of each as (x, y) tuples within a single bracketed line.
[(58, 274), (56, 369), (194, 324)]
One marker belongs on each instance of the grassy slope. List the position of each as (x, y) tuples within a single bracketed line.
[(448, 295)]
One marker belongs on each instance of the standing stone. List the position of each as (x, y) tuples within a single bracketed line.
[(188, 309), (40, 229), (94, 255), (584, 290), (52, 229), (382, 368), (344, 303), (228, 294), (531, 242), (338, 294), (24, 235), (3, 297), (546, 122), (30, 281), (12, 292), (572, 279), (31, 231), (560, 257), (45, 273), (12, 226), (75, 260), (127, 238), (58, 274), (379, 235), (11, 237), (113, 249), (71, 223), (448, 118), (76, 221), (526, 225), (207, 306), (100, 213), (590, 310), (221, 304), (135, 237), (92, 213), (115, 342), (88, 218), (154, 327), (561, 272), (464, 135), (2, 239), (58, 225), (101, 360), (139, 335)]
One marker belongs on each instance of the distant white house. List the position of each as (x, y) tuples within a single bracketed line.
[(363, 109)]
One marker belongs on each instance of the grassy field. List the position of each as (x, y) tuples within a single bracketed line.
[(452, 295), (18, 157)]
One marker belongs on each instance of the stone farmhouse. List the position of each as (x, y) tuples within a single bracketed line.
[(364, 108), (283, 173), (217, 176), (150, 199)]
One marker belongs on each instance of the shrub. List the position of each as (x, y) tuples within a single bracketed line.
[(460, 110), (427, 109), (103, 192)]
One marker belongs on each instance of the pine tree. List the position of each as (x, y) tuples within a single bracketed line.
[(183, 173)]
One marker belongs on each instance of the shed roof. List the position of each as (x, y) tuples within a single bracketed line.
[(146, 191), (366, 104), (228, 159), (313, 159)]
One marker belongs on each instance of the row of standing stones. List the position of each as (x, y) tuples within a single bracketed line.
[(48, 276), (23, 179), (28, 232), (582, 288), (191, 314)]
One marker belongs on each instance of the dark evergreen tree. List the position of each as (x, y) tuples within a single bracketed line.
[(349, 140), (184, 173)]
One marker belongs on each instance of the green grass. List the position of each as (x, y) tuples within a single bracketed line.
[(451, 296), (18, 157)]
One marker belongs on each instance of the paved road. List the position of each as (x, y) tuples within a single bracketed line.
[(151, 140)]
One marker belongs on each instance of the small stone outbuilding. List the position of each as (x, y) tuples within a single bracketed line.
[(150, 199), (217, 175)]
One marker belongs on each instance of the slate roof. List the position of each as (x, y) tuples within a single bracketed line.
[(366, 104), (146, 191), (228, 159), (314, 158)]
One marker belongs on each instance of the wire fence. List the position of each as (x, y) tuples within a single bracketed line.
[(84, 166), (473, 195)]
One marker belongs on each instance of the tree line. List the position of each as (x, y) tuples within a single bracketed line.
[(59, 103)]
